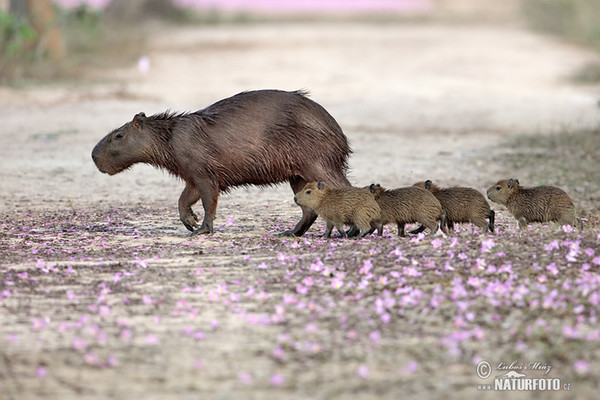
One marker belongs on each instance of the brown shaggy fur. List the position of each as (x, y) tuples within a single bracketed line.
[(408, 205), (536, 204), (261, 137), (462, 205), (339, 206)]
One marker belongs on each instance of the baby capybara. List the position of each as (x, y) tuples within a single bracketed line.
[(535, 204), (461, 204), (339, 206), (259, 137), (408, 205)]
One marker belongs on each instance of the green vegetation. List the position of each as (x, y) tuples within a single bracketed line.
[(17, 44), (575, 20), (87, 37)]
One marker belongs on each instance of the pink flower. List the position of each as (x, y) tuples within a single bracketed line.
[(363, 371), (437, 243), (308, 281), (487, 245), (91, 358), (41, 372), (551, 246), (277, 380), (245, 378), (367, 265), (152, 339), (104, 311), (301, 289), (38, 324), (126, 334), (337, 283), (551, 268), (411, 367), (375, 336), (79, 344), (581, 367), (411, 271)]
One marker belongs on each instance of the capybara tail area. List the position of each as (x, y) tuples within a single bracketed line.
[(569, 218), (433, 227)]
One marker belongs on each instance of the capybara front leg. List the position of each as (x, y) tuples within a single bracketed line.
[(188, 198), (309, 216)]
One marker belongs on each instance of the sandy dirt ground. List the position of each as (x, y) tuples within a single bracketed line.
[(103, 294)]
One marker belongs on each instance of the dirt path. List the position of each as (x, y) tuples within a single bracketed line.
[(416, 102), (401, 92)]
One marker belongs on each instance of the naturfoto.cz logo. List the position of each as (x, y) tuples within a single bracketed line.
[(514, 379)]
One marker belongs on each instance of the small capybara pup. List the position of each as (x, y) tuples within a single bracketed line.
[(408, 205), (339, 206), (260, 137), (535, 204), (461, 205)]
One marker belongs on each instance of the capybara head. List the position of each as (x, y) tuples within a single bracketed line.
[(312, 193), (123, 147), (376, 189), (502, 190), (425, 185)]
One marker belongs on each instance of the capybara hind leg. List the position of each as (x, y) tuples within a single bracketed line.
[(209, 198), (353, 231), (491, 218), (376, 225), (328, 230), (569, 219), (481, 224), (433, 227), (188, 198), (443, 222), (418, 230), (400, 228), (342, 232)]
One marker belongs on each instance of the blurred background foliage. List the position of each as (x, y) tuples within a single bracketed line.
[(574, 20), (55, 39)]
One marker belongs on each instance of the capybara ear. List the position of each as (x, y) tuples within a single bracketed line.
[(428, 184), (320, 185), (511, 182), (138, 119), (372, 187)]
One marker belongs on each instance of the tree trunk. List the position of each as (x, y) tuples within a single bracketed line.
[(43, 19)]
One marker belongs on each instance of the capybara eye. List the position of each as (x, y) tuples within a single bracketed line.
[(119, 135), (308, 192), (498, 187)]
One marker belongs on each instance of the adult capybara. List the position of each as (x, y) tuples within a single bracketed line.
[(407, 205), (535, 204), (338, 206), (461, 204), (261, 137)]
